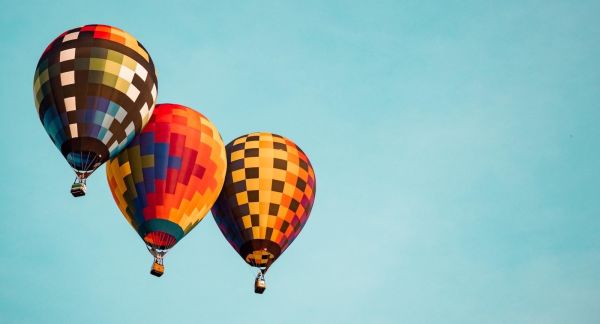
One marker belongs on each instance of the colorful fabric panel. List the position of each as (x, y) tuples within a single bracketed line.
[(169, 176), (267, 197), (95, 88)]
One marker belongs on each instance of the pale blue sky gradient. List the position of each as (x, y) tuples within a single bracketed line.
[(456, 147)]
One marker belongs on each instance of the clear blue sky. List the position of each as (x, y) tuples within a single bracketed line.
[(456, 146)]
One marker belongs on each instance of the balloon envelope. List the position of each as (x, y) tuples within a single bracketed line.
[(95, 88), (267, 197), (167, 179)]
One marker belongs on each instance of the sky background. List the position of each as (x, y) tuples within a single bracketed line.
[(455, 143)]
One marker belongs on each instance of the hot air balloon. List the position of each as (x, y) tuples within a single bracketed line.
[(168, 177), (95, 88), (267, 197)]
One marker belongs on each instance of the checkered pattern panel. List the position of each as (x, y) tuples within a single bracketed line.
[(96, 82), (259, 258), (173, 172), (268, 193)]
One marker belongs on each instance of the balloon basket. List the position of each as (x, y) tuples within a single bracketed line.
[(78, 189), (259, 284), (157, 269)]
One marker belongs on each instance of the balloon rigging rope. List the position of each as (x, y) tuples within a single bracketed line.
[(84, 165), (87, 162)]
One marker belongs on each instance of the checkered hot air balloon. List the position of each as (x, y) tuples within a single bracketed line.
[(168, 177), (267, 197), (95, 88)]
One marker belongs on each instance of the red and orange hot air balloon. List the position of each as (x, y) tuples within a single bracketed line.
[(267, 197), (167, 179)]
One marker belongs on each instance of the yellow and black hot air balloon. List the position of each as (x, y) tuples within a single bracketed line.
[(267, 197), (168, 177), (95, 88)]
